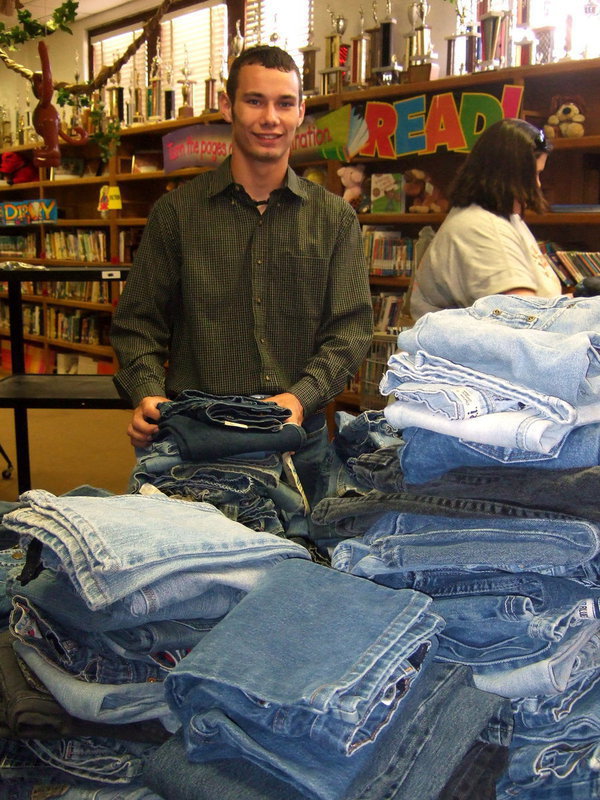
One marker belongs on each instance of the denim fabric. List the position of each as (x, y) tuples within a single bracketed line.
[(228, 410), (421, 541), (336, 685), (567, 491), (476, 406), (548, 344), (90, 662), (379, 470), (557, 748), (29, 711), (443, 716), (113, 703), (477, 773), (198, 441), (12, 561), (519, 430), (96, 759), (427, 455), (353, 516), (174, 777), (33, 790), (364, 433), (309, 462), (112, 547), (54, 594), (153, 641)]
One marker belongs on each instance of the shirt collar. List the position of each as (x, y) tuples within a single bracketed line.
[(222, 181)]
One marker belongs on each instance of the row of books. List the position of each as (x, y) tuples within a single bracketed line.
[(22, 246), (571, 266), (129, 240), (80, 245), (79, 327), (82, 291), (388, 312), (388, 252)]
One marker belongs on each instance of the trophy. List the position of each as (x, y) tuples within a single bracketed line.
[(169, 93), (155, 91), (336, 53), (493, 25), (210, 95), (115, 98), (387, 70), (237, 43), (5, 130), (422, 60), (187, 86), (309, 60), (374, 35), (138, 115), (462, 47), (359, 56)]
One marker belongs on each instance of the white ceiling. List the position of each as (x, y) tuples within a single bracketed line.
[(43, 8)]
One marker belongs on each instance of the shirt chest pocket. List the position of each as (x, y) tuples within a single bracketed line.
[(297, 285)]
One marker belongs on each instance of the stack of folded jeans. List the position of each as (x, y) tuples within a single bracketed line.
[(325, 682), (112, 593), (488, 504), (226, 451)]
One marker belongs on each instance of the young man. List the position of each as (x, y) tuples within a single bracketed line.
[(248, 280)]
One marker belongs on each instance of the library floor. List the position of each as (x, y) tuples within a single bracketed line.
[(69, 448)]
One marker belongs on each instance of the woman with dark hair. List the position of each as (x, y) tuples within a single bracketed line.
[(483, 246)]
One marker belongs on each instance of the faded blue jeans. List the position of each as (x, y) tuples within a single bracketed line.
[(112, 547), (336, 686)]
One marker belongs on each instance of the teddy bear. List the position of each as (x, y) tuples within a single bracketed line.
[(352, 177), (566, 118), (16, 169), (422, 197)]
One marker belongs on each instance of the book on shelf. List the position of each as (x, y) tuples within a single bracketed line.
[(571, 266), (388, 312), (387, 193), (387, 252)]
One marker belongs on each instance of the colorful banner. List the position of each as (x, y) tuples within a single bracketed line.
[(373, 129), (28, 212)]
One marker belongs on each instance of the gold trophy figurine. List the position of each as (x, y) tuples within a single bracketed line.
[(187, 87)]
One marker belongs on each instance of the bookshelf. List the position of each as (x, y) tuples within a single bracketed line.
[(571, 178)]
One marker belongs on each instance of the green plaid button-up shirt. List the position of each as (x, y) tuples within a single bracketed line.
[(239, 302)]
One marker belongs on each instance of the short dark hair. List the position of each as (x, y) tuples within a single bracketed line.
[(267, 56), (501, 168)]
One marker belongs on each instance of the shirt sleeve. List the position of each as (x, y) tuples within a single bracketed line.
[(140, 331), (346, 329)]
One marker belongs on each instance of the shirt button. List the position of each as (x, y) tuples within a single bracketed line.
[(258, 301), (260, 221), (259, 261), (262, 341), (267, 378)]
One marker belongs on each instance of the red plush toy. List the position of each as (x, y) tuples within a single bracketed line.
[(17, 169)]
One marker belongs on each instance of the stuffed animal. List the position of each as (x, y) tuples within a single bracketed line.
[(566, 118), (16, 169), (352, 177), (422, 197)]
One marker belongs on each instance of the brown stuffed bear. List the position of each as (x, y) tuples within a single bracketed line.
[(16, 169), (566, 117), (422, 197)]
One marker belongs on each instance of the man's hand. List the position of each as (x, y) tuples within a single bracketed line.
[(289, 400), (141, 429)]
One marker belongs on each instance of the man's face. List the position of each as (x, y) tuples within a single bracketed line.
[(265, 112)]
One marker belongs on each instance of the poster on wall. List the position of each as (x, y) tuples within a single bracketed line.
[(415, 125)]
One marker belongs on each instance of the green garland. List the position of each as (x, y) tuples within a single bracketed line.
[(30, 28)]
